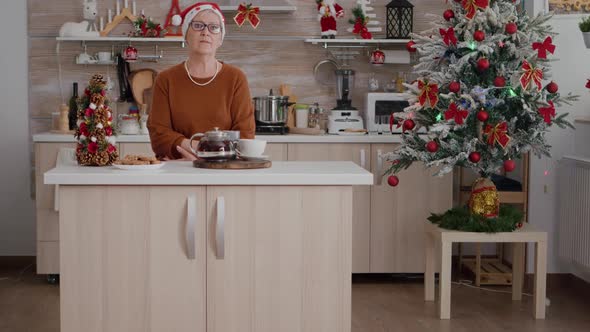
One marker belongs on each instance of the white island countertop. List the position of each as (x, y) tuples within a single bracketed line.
[(182, 173), (290, 138)]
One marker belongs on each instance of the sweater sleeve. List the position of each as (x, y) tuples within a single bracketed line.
[(163, 138), (242, 109)]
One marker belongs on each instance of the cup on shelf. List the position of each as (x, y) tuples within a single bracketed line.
[(85, 58), (251, 147), (104, 57)]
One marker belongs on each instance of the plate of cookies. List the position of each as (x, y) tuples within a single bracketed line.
[(138, 163)]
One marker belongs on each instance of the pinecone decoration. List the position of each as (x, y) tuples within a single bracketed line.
[(96, 146)]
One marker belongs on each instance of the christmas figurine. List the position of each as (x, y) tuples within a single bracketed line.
[(328, 11)]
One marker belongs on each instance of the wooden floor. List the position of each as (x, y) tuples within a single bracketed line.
[(379, 303)]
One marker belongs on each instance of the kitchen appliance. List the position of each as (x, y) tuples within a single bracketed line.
[(271, 113), (345, 122), (344, 85), (380, 106), (214, 145)]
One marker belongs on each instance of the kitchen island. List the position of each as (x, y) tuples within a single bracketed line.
[(186, 249)]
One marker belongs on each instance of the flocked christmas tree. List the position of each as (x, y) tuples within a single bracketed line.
[(483, 95), (96, 143)]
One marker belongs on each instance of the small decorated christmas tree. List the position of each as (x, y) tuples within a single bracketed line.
[(96, 143), (482, 95)]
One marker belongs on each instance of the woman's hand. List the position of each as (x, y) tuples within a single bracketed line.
[(186, 155)]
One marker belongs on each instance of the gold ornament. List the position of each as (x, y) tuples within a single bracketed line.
[(484, 198)]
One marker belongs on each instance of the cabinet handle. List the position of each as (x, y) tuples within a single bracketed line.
[(220, 228), (363, 159), (56, 198), (191, 221), (379, 167)]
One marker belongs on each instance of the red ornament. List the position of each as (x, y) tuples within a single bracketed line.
[(409, 124), (108, 131), (474, 157), (588, 83), (103, 92), (130, 53), (111, 148), (482, 116), (89, 112), (448, 14), (87, 92), (432, 146), (479, 35), (455, 87), (483, 64), (410, 46), (519, 225), (499, 82), (511, 28), (552, 87), (377, 57), (509, 165), (393, 180)]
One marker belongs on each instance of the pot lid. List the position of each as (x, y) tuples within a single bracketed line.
[(216, 134)]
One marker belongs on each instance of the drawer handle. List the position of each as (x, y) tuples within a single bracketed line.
[(363, 159), (56, 198), (220, 228), (379, 167), (191, 221)]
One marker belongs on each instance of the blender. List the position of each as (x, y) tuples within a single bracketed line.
[(344, 119)]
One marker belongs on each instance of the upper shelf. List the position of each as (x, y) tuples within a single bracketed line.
[(356, 42), (264, 9), (123, 39)]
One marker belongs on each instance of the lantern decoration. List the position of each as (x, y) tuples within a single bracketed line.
[(399, 20)]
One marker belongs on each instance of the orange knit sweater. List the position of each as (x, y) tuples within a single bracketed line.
[(181, 108)]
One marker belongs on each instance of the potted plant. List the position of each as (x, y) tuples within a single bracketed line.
[(585, 28)]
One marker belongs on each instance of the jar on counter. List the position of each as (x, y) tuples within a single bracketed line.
[(314, 117)]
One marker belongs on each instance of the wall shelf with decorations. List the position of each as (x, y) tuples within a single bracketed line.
[(341, 43), (122, 39), (264, 9)]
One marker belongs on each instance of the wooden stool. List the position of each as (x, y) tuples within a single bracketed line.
[(445, 239)]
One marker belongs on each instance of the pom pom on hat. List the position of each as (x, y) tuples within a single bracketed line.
[(185, 18)]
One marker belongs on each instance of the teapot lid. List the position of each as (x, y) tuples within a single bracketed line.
[(216, 134)]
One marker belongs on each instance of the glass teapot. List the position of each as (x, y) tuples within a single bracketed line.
[(214, 145)]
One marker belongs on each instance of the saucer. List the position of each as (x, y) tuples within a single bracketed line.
[(260, 157)]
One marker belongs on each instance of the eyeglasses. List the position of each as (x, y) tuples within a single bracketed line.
[(200, 26)]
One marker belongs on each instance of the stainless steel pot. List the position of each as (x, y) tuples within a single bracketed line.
[(271, 109)]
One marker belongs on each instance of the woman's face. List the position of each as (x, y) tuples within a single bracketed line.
[(204, 42)]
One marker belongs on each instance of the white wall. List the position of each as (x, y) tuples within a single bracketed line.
[(570, 72), (17, 213)]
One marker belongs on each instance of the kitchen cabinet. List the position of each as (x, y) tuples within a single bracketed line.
[(282, 261), (398, 214), (359, 154), (128, 265), (47, 217)]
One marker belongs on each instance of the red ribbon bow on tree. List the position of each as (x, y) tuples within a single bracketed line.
[(548, 112), (247, 13), (530, 74), (360, 27), (544, 47), (455, 113), (428, 92), (471, 6), (497, 134), (448, 36)]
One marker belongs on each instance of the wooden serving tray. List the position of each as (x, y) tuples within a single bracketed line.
[(232, 164)]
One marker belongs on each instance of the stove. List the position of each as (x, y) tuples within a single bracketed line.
[(271, 130)]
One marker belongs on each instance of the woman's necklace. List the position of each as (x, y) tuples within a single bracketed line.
[(197, 83)]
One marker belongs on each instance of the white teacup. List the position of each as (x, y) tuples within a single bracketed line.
[(85, 58), (251, 147), (104, 56)]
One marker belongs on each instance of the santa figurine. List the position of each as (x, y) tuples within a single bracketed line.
[(328, 11)]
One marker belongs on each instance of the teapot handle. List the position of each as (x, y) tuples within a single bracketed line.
[(190, 143)]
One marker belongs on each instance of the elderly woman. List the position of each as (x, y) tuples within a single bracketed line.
[(202, 92)]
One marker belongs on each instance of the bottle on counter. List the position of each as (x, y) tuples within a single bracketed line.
[(73, 103)]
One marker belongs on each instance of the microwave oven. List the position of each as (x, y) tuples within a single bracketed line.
[(380, 106)]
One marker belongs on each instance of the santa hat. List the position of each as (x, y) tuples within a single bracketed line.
[(190, 12)]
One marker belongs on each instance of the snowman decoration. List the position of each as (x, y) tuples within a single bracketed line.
[(328, 11)]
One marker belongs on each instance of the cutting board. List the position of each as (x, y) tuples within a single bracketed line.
[(233, 164), (141, 80), (285, 90)]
